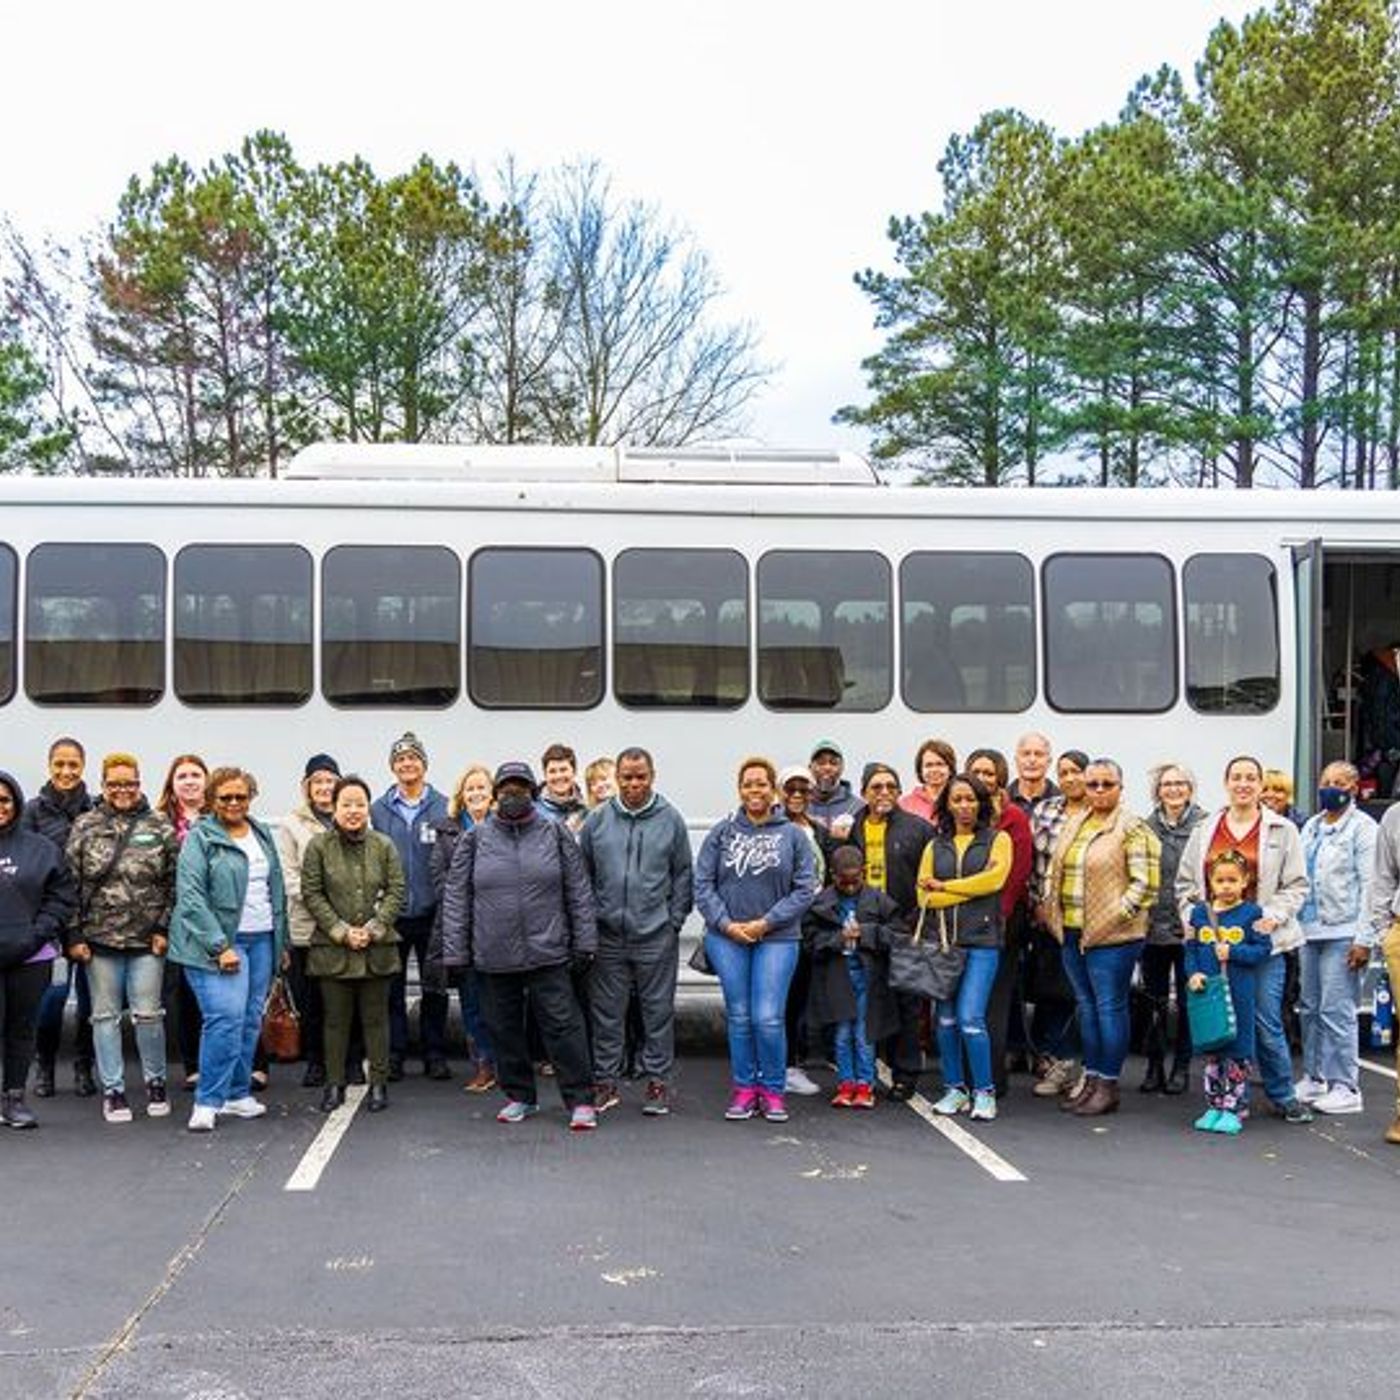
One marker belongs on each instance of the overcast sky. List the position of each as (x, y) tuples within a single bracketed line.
[(783, 134)]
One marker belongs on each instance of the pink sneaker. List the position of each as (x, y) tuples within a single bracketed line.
[(743, 1105), (774, 1109)]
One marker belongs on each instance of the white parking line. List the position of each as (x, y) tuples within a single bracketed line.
[(1378, 1069), (991, 1162), (318, 1156)]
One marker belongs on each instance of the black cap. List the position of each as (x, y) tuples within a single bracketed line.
[(320, 763), (516, 771), (870, 770)]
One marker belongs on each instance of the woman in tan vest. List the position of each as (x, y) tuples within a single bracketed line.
[(1102, 882)]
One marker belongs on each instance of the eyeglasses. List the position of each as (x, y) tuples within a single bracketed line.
[(122, 787), (882, 787), (228, 798), (7, 801), (1101, 785)]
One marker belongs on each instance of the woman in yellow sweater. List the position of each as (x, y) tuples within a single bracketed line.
[(960, 879)]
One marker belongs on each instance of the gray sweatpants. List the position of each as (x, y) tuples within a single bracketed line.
[(616, 970)]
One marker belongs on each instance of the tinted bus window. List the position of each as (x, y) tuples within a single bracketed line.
[(9, 573), (1110, 632), (242, 624), (536, 629), (681, 628), (824, 638), (94, 628), (391, 625), (1232, 661), (968, 632)]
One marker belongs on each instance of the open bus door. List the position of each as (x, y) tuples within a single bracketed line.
[(1309, 682)]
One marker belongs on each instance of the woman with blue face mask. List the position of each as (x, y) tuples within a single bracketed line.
[(1339, 845)]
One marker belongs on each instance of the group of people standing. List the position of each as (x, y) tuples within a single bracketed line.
[(554, 911)]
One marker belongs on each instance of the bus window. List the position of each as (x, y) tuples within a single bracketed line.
[(391, 625), (242, 624), (681, 628), (9, 573), (535, 637), (967, 632), (94, 630), (1232, 661), (1110, 633), (824, 638)]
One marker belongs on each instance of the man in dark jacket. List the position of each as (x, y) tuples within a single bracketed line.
[(833, 806), (518, 907), (409, 814), (637, 851), (37, 900), (892, 841)]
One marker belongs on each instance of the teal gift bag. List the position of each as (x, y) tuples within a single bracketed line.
[(1211, 1013)]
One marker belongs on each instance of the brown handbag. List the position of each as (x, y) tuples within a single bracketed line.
[(281, 1027)]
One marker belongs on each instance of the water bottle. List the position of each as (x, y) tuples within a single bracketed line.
[(1383, 1016)]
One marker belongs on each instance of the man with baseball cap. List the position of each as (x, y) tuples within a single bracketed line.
[(833, 806)]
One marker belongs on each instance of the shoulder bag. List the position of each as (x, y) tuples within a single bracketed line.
[(1211, 1012), (926, 969)]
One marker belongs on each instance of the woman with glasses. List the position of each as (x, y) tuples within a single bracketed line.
[(934, 765), (1103, 880), (229, 927), (1174, 816), (1278, 883), (122, 855)]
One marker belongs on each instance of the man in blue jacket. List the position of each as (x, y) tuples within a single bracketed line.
[(637, 851), (407, 814)]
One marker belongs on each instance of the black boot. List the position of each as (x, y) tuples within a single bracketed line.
[(378, 1098), (43, 1077), (15, 1113), (1179, 1080), (1154, 1081), (314, 1077), (332, 1097), (83, 1085)]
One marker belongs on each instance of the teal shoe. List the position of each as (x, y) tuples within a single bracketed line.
[(1207, 1121), (1229, 1124), (953, 1101)]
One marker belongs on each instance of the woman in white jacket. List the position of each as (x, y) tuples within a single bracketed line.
[(1273, 852), (1339, 846)]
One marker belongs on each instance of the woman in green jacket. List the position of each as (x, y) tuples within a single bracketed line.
[(352, 885)]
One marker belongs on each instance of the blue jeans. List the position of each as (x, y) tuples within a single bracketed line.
[(134, 980), (473, 1022), (855, 1055), (1270, 1042), (232, 1006), (49, 1025), (1327, 1005), (1101, 978), (754, 978), (962, 1023)]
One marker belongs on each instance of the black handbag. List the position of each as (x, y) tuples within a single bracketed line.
[(699, 960), (927, 969)]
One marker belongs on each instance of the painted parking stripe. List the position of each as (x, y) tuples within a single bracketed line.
[(993, 1163), (1378, 1069), (318, 1156)]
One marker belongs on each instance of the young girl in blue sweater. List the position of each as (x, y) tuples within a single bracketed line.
[(1224, 938)]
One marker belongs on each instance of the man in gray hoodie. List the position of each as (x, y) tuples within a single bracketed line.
[(637, 851)]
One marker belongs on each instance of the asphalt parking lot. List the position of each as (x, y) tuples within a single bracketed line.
[(430, 1251)]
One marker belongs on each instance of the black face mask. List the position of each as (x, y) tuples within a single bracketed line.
[(513, 806)]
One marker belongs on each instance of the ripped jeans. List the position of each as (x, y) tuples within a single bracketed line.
[(962, 1023)]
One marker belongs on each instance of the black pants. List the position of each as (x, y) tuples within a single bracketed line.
[(550, 993), (341, 999), (21, 990), (902, 1051), (413, 934), (1004, 1005), (1164, 966), (182, 1009), (799, 989)]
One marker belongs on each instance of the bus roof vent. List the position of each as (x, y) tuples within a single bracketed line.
[(402, 461)]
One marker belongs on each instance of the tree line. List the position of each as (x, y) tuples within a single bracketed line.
[(229, 315), (1204, 291)]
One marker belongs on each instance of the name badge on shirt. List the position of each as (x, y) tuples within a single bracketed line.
[(427, 835)]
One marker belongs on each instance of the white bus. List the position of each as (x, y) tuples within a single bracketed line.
[(704, 604)]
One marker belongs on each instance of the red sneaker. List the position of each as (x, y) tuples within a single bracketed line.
[(863, 1096), (844, 1095)]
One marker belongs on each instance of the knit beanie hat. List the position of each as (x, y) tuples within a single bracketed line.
[(408, 743)]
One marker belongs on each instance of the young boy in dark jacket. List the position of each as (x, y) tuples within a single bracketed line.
[(848, 929)]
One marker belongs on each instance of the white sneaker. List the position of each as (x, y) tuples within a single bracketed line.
[(1339, 1099), (1308, 1090), (246, 1107), (798, 1082), (201, 1119)]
